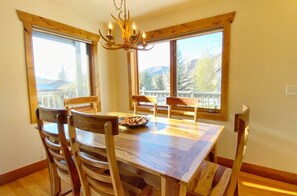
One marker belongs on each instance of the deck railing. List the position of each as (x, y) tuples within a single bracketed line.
[(54, 99), (205, 99)]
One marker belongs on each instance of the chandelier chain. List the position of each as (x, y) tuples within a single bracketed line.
[(119, 8)]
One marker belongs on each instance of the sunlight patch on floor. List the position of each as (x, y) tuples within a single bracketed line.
[(268, 188)]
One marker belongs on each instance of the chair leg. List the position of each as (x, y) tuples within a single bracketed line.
[(55, 181)]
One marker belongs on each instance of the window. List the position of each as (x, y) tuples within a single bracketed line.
[(61, 69), (60, 61), (153, 68), (187, 60)]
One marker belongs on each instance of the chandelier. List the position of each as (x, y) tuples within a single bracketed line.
[(131, 40)]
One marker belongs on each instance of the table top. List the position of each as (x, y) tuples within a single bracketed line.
[(164, 147)]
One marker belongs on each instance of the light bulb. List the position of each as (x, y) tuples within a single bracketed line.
[(134, 26), (109, 25), (143, 35)]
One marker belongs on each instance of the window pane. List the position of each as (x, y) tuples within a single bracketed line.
[(153, 67), (198, 69), (61, 69)]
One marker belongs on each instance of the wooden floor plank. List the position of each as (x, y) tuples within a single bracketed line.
[(249, 185)]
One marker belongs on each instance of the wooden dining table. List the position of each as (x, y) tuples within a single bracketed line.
[(171, 150)]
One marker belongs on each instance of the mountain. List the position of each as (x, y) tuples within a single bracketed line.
[(157, 70)]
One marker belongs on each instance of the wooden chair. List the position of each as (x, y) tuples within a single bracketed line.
[(136, 99), (60, 163), (84, 104), (214, 179), (98, 175), (175, 105)]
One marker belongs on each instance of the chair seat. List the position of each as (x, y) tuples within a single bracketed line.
[(211, 179), (133, 185)]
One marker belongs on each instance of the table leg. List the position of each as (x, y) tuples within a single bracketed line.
[(215, 153), (212, 156), (170, 186)]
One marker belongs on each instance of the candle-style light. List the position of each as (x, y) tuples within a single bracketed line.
[(143, 38), (109, 29), (134, 28)]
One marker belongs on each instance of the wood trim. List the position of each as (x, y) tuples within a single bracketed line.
[(22, 172), (30, 21), (94, 73), (129, 78), (262, 171), (32, 92), (225, 68), (189, 27), (136, 75), (39, 21)]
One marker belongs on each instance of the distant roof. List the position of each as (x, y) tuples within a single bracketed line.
[(45, 87), (58, 83), (48, 84)]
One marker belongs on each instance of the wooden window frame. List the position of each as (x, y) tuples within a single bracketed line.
[(30, 22), (182, 30)]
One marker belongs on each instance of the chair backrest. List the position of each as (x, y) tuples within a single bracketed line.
[(84, 104), (136, 99), (241, 126), (174, 103), (99, 175), (56, 147)]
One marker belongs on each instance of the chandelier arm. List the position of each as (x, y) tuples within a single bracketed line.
[(144, 48), (103, 36), (133, 47), (111, 48), (136, 41), (120, 18), (127, 20), (119, 45), (120, 22)]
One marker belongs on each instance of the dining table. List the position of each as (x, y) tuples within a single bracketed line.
[(166, 150)]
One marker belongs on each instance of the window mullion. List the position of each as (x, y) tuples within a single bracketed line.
[(173, 68)]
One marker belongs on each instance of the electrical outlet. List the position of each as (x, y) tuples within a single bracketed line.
[(291, 90)]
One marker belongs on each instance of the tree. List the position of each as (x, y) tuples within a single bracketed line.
[(205, 77), (62, 74), (158, 82), (184, 75), (145, 80)]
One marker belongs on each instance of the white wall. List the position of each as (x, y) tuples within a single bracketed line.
[(19, 141), (263, 61)]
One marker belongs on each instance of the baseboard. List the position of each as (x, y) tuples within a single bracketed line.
[(262, 171), (22, 172)]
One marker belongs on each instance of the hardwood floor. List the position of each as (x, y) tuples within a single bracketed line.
[(249, 185), (255, 185)]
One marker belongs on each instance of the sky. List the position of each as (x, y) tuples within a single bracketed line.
[(191, 48), (50, 55)]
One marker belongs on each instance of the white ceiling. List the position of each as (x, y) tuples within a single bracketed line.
[(101, 9)]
